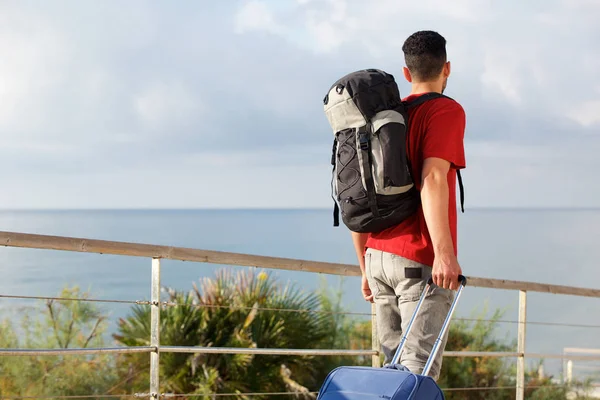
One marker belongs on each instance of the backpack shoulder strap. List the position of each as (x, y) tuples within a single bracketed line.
[(423, 98), (462, 191)]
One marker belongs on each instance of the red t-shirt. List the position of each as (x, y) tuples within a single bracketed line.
[(436, 129)]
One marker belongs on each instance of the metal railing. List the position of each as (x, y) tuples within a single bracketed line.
[(157, 252), (569, 356)]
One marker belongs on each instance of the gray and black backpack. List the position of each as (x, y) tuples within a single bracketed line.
[(372, 182)]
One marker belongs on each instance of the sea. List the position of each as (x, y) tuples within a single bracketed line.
[(554, 246)]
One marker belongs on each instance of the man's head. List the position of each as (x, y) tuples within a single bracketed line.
[(425, 58)]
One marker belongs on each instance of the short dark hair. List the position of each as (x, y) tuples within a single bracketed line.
[(425, 54)]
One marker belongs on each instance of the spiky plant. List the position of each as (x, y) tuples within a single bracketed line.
[(247, 310)]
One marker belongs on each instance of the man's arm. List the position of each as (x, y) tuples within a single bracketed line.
[(442, 147), (434, 198), (360, 240)]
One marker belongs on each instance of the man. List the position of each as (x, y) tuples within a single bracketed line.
[(396, 263)]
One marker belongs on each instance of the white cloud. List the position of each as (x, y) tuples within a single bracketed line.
[(256, 15), (501, 75), (325, 35), (582, 5), (330, 24), (587, 113), (34, 64), (59, 77)]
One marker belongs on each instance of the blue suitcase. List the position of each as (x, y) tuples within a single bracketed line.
[(393, 381)]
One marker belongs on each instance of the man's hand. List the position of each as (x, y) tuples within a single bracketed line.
[(366, 290), (446, 270)]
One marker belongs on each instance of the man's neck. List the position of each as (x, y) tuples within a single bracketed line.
[(426, 87)]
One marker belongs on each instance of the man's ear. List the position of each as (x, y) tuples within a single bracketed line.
[(407, 75), (447, 69)]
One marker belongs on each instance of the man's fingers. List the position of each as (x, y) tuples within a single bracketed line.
[(455, 282), (452, 279), (367, 294), (438, 279)]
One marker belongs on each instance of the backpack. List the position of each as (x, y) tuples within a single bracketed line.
[(372, 183)]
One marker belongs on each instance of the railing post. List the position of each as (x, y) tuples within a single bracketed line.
[(521, 345), (375, 345), (570, 371), (155, 330)]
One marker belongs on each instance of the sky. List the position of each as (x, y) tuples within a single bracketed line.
[(200, 104)]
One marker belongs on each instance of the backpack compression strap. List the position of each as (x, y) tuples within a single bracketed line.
[(336, 208), (364, 140)]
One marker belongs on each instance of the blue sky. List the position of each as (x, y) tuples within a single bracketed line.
[(219, 104)]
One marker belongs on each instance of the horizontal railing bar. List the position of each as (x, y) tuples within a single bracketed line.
[(83, 396), (562, 356), (481, 354), (506, 284), (272, 351), (239, 350), (482, 388), (507, 321), (291, 310), (138, 302), (47, 242), (249, 308), (294, 310), (516, 354), (263, 351), (587, 367), (167, 395), (581, 350), (172, 304), (56, 352)]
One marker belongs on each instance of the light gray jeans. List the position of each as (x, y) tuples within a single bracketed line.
[(397, 284)]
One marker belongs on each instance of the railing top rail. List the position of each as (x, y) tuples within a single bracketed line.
[(62, 243)]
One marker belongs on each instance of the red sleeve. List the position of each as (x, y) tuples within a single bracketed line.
[(445, 133)]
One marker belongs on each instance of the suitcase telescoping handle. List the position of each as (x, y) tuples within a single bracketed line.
[(438, 341)]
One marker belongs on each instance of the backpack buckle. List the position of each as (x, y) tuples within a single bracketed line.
[(363, 140)]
